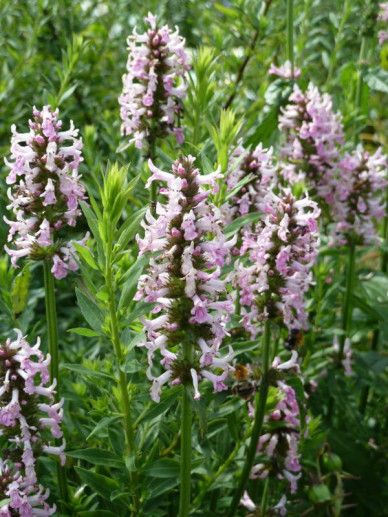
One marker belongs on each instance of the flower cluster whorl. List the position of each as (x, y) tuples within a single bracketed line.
[(313, 134), (281, 251), (280, 443), (249, 198), (29, 421), (184, 279), (359, 197), (154, 85), (44, 190)]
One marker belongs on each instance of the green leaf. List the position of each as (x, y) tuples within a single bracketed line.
[(104, 422), (164, 468), (239, 186), (241, 347), (91, 219), (83, 331), (67, 93), (231, 12), (161, 486), (131, 339), (132, 365), (130, 227), (238, 223), (97, 513), (319, 494), (265, 128), (20, 290), (90, 310), (103, 485), (4, 502), (377, 79), (132, 277), (85, 254), (77, 368), (140, 309), (166, 402), (97, 457)]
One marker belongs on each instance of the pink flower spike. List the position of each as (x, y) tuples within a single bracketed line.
[(45, 189), (183, 281)]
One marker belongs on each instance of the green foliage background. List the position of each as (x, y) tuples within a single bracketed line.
[(72, 54)]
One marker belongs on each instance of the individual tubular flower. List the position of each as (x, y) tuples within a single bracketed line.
[(284, 71), (45, 190), (249, 198), (359, 197), (154, 85), (276, 273), (279, 444), (184, 280), (278, 509), (313, 133), (29, 426)]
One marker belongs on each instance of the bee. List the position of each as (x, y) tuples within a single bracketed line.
[(241, 372), (245, 386), (294, 340)]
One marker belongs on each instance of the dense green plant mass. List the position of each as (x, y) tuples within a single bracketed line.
[(252, 301)]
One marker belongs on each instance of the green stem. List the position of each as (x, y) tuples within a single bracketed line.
[(122, 378), (360, 76), (52, 331), (290, 35), (261, 400), (384, 256), (264, 498), (185, 464), (52, 324), (154, 185), (365, 391), (347, 309)]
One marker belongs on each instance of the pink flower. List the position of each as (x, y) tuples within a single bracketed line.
[(359, 197), (259, 164), (184, 281), (280, 444), (277, 257), (45, 188), (313, 134), (284, 71), (28, 424), (154, 85)]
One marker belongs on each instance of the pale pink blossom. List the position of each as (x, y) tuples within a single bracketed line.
[(45, 190), (184, 281), (30, 419), (154, 85)]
